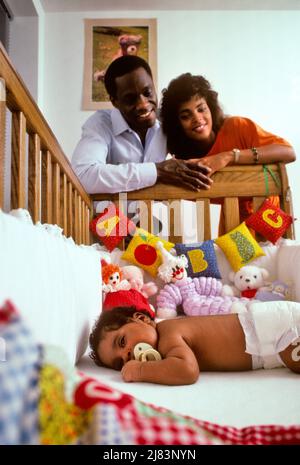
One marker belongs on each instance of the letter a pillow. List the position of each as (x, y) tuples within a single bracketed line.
[(269, 221)]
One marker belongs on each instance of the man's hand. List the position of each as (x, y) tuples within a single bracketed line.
[(131, 371), (193, 175)]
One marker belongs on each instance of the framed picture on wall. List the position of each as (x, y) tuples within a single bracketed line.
[(106, 40)]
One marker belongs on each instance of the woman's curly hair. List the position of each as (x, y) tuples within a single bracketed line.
[(180, 90)]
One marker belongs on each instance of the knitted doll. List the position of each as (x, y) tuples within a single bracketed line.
[(112, 278), (198, 296), (117, 292)]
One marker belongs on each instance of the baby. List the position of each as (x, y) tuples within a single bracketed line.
[(189, 345)]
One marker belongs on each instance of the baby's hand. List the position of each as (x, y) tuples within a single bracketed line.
[(131, 371)]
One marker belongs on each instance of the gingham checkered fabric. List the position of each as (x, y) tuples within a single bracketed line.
[(19, 370), (119, 418)]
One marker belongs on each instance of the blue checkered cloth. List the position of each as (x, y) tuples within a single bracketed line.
[(20, 358)]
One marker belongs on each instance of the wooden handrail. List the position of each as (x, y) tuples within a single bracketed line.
[(232, 181)]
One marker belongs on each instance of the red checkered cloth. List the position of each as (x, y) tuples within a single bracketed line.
[(119, 418)]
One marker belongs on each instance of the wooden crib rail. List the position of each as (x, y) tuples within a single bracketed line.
[(230, 184), (41, 178)]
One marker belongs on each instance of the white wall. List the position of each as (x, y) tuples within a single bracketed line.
[(23, 50), (250, 57)]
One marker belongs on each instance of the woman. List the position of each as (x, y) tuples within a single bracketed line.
[(196, 128)]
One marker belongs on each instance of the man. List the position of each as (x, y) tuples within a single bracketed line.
[(124, 149)]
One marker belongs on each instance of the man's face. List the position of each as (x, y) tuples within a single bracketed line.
[(136, 99)]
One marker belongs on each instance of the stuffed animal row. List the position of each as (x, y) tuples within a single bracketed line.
[(124, 286)]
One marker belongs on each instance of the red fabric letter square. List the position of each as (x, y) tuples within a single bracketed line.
[(111, 227), (270, 221)]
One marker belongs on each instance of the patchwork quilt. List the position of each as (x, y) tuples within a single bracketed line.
[(44, 400)]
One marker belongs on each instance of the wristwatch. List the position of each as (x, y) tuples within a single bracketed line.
[(236, 154)]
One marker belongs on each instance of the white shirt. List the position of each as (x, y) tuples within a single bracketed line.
[(111, 158)]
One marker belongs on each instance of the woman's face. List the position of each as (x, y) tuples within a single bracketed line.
[(196, 120)]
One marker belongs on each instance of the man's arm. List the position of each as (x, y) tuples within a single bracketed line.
[(89, 162)]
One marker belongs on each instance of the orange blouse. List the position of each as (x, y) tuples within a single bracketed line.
[(242, 133)]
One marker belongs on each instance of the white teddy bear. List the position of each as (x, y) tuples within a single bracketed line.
[(247, 281)]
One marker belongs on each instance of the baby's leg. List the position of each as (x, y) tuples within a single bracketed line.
[(291, 356)]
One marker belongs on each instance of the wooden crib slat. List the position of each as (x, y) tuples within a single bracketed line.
[(79, 220), (70, 210), (56, 194), (2, 138), (145, 214), (286, 200), (34, 177), (18, 160), (231, 211), (207, 225), (200, 219), (121, 204), (76, 217), (46, 187), (175, 220), (83, 222), (89, 214), (64, 201), (85, 233)]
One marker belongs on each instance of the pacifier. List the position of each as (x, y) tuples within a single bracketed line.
[(144, 352)]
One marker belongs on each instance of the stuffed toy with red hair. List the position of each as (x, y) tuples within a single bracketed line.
[(112, 278), (118, 292)]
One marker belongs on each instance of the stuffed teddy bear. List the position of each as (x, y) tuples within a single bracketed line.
[(250, 281), (247, 281), (135, 277), (198, 296)]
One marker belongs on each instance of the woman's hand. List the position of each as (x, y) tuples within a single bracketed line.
[(214, 162), (193, 176)]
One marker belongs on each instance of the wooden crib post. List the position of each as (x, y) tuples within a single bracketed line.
[(286, 199), (34, 177), (46, 187), (18, 169), (2, 138)]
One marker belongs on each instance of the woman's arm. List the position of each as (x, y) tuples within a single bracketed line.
[(272, 153)]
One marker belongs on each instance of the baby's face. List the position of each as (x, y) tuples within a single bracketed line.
[(116, 348)]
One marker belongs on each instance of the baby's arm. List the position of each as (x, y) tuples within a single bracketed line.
[(179, 367)]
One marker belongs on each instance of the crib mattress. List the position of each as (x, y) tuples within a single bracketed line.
[(241, 399)]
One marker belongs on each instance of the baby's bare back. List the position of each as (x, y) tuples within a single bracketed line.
[(217, 341)]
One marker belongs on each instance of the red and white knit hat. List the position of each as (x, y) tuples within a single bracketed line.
[(127, 298)]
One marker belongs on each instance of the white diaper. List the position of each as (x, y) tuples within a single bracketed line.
[(269, 328), (267, 362)]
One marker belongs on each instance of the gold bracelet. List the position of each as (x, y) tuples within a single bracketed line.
[(255, 155)]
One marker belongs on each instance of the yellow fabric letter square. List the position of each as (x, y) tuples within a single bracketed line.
[(141, 251), (239, 246)]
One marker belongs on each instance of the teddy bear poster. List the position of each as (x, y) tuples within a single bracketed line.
[(108, 39)]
